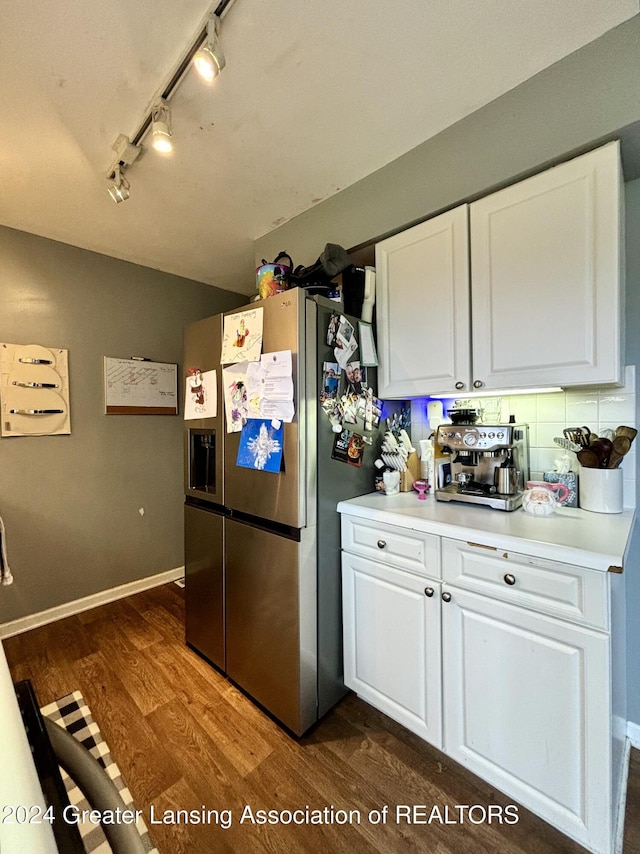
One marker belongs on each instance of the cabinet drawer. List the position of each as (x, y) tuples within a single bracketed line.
[(400, 547), (559, 589)]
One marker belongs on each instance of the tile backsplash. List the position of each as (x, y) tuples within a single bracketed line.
[(548, 414)]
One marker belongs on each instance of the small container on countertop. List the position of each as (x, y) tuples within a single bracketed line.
[(601, 490)]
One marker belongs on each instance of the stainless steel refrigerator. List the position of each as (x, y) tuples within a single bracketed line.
[(262, 550)]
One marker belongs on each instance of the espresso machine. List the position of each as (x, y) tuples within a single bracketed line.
[(483, 464)]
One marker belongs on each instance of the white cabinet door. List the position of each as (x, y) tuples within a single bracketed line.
[(392, 652), (546, 277), (422, 284), (526, 705)]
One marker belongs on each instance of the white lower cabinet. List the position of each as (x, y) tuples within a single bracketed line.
[(526, 707), (504, 661), (392, 655)]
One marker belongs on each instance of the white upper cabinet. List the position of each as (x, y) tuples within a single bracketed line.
[(546, 277), (544, 285), (422, 282)]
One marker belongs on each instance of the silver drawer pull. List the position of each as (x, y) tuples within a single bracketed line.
[(509, 579), (382, 544), (36, 411), (35, 385), (429, 591), (446, 597)]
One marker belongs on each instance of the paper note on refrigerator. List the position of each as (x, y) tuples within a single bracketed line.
[(284, 410), (368, 354), (201, 395), (346, 343), (242, 336), (277, 388), (254, 388), (277, 364), (276, 400), (261, 445), (234, 379)]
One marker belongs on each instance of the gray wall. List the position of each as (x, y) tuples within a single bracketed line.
[(588, 97), (70, 503)]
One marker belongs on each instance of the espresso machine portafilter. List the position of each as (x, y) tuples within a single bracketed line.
[(489, 463)]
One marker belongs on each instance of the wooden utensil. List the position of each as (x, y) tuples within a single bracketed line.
[(619, 447), (588, 458), (630, 432), (602, 448)]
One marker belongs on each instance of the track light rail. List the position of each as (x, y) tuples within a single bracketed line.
[(169, 88)]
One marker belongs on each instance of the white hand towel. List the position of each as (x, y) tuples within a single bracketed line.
[(5, 572)]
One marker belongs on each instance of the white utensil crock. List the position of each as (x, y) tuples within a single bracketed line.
[(600, 490)]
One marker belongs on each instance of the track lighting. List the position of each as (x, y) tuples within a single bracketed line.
[(126, 154), (119, 189), (161, 127), (206, 53), (209, 59)]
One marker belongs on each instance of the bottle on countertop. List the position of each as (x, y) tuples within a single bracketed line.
[(426, 460), (506, 475)]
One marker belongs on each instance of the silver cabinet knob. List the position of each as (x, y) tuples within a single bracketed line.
[(478, 383), (446, 597), (509, 579), (429, 591), (459, 385), (382, 544)]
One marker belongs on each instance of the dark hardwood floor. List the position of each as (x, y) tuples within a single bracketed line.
[(186, 739)]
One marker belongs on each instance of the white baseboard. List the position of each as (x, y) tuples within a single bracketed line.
[(633, 734), (16, 627)]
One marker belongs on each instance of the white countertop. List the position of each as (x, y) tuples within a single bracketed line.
[(592, 540)]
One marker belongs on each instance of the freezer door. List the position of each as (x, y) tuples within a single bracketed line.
[(276, 497), (271, 622), (204, 582), (204, 437)]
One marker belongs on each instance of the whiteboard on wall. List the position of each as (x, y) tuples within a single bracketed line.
[(136, 387)]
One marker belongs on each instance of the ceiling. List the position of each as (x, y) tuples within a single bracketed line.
[(315, 96)]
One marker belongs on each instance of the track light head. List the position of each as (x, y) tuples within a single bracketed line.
[(209, 59), (119, 188), (161, 127)]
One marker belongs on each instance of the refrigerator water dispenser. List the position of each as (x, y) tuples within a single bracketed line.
[(202, 460)]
